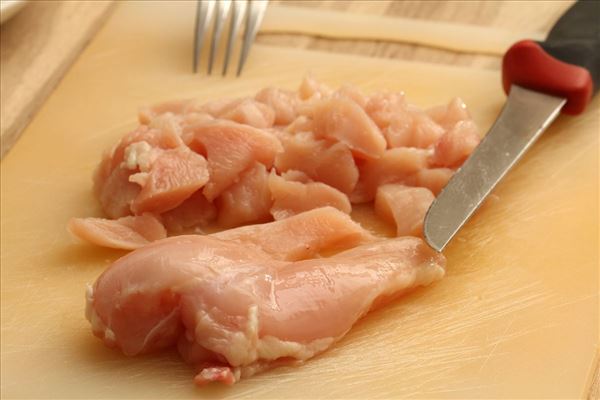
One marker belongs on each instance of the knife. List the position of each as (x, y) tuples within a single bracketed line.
[(559, 75)]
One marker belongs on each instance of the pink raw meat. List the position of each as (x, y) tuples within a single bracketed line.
[(343, 120), (251, 113), (126, 233), (282, 102), (323, 161), (173, 176), (449, 115), (230, 148), (394, 166), (195, 212), (246, 201), (232, 307), (403, 206), (433, 179), (292, 197), (453, 148), (301, 236)]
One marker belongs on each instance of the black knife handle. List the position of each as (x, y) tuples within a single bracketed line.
[(566, 64), (575, 38)]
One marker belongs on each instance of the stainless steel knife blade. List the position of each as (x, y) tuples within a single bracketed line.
[(525, 116)]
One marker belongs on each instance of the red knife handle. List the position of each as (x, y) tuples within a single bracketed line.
[(528, 65)]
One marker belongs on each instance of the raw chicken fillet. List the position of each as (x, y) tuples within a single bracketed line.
[(233, 309)]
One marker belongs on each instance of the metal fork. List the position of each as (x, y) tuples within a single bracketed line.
[(254, 10)]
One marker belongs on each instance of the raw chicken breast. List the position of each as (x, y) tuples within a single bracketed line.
[(456, 145), (219, 107), (282, 102), (251, 113), (322, 160), (301, 124), (343, 120), (321, 230), (402, 124), (230, 148), (449, 115), (292, 197), (296, 176), (178, 107), (403, 206), (310, 88), (126, 233), (195, 212), (433, 179), (394, 166), (352, 93), (172, 177), (233, 311), (412, 129), (246, 201), (140, 147), (114, 191), (385, 107)]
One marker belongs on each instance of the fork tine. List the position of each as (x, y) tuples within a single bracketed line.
[(237, 15), (204, 11), (256, 13), (222, 12)]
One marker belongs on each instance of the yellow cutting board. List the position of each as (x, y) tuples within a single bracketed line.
[(516, 316)]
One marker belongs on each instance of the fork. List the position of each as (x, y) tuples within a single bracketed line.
[(253, 10)]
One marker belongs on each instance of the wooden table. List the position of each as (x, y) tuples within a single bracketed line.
[(526, 16)]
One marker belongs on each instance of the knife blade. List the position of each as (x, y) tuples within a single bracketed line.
[(542, 80)]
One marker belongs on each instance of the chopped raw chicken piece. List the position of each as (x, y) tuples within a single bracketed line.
[(229, 306), (385, 107), (300, 124), (195, 118), (433, 179), (352, 93), (343, 120), (169, 126), (112, 183), (219, 107), (310, 88), (323, 161), (230, 148), (246, 201), (394, 166), (243, 110), (115, 192), (126, 233), (172, 177), (403, 206), (314, 137), (453, 148), (194, 212), (302, 236), (412, 129), (291, 198), (282, 102), (449, 115), (251, 113), (147, 114), (296, 176), (215, 374)]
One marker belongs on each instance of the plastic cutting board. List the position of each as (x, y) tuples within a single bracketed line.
[(516, 316)]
